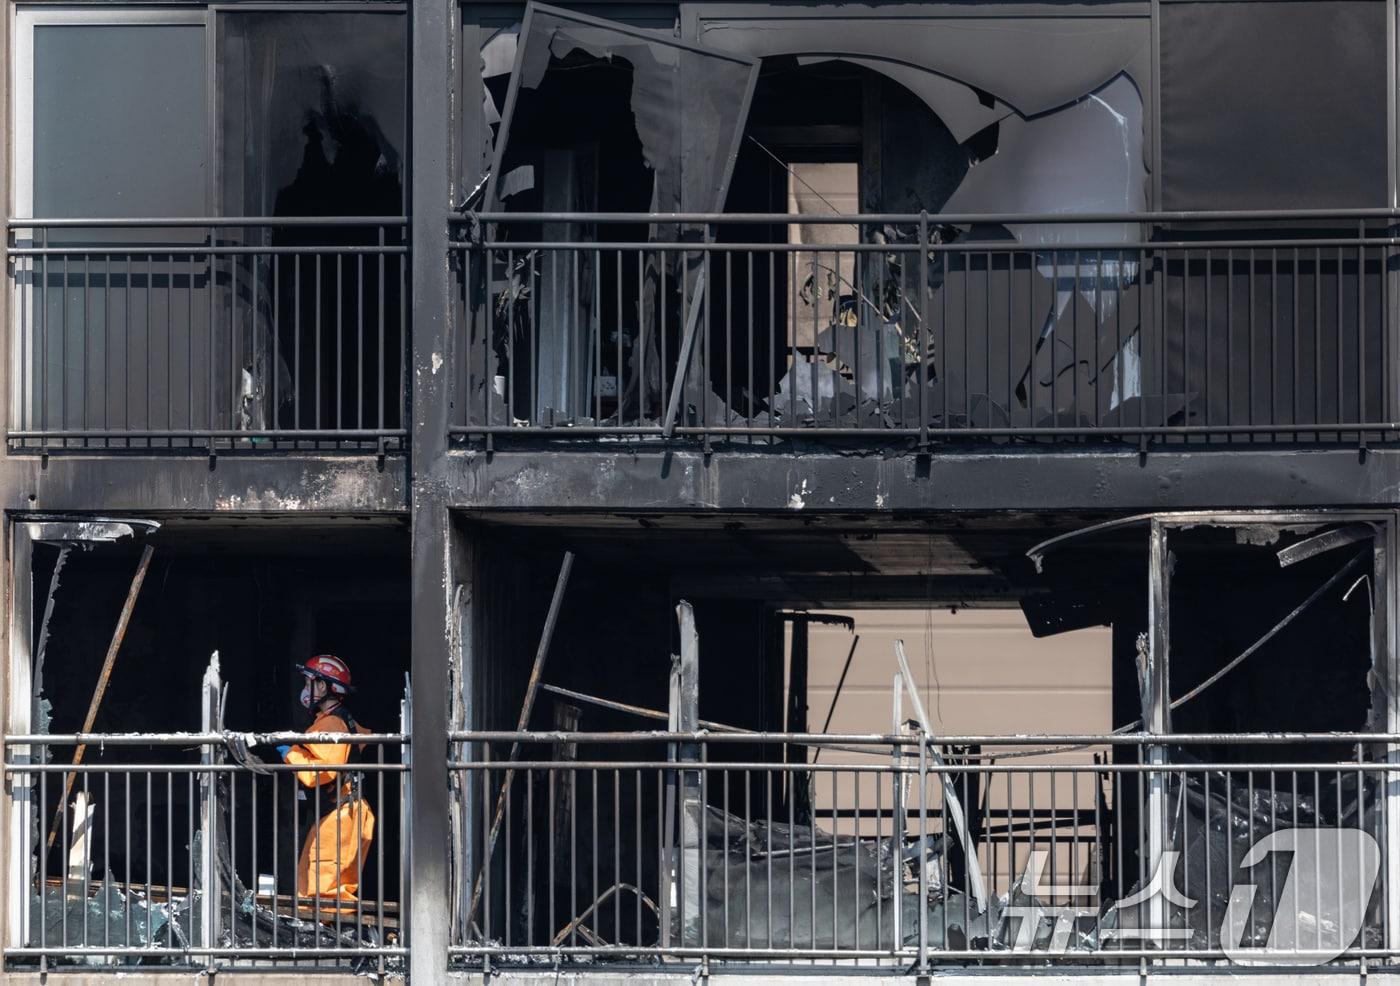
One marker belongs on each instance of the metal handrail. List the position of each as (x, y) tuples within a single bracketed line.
[(941, 334), (737, 873), (999, 739), (127, 222), (952, 218), (210, 338)]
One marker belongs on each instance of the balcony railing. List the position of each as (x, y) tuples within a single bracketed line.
[(1163, 328), (756, 852), (208, 334), (182, 850), (891, 854)]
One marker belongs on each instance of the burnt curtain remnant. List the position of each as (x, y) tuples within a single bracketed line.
[(313, 119), (1028, 323), (603, 117)]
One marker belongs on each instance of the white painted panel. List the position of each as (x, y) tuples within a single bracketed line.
[(979, 672)]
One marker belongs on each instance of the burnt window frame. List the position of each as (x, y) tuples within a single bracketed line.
[(1155, 650)]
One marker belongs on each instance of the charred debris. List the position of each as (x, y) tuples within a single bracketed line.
[(589, 116), (141, 803), (1222, 624)]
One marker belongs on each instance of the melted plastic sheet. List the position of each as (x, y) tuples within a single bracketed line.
[(686, 106), (1033, 64), (750, 864), (1214, 822), (604, 117)]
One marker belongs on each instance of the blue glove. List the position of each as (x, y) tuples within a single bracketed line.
[(282, 752)]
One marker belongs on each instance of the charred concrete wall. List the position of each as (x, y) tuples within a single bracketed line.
[(513, 591)]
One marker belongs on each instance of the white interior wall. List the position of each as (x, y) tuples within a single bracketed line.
[(979, 672)]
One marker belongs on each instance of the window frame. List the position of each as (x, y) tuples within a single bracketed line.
[(28, 17), (22, 81)]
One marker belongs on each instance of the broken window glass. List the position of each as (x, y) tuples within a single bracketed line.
[(680, 104), (969, 118), (604, 117)]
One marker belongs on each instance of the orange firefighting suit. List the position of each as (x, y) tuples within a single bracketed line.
[(335, 848)]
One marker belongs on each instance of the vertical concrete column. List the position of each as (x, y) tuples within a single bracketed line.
[(430, 64), (16, 689), (430, 811)]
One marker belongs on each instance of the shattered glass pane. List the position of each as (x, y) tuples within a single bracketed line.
[(602, 117), (1079, 363), (107, 917), (676, 106)]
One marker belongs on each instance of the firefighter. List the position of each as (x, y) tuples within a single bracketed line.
[(336, 845)]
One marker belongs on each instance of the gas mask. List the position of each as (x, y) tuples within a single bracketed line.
[(311, 695)]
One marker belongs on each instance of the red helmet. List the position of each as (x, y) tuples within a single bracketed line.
[(331, 669)]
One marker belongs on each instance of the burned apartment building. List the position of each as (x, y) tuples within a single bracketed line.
[(748, 490)]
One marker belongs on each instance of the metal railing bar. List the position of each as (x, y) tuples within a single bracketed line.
[(230, 952), (596, 431), (949, 768), (194, 768), (997, 248), (322, 434), (165, 739), (1011, 954), (180, 222), (912, 219), (884, 739), (181, 251)]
